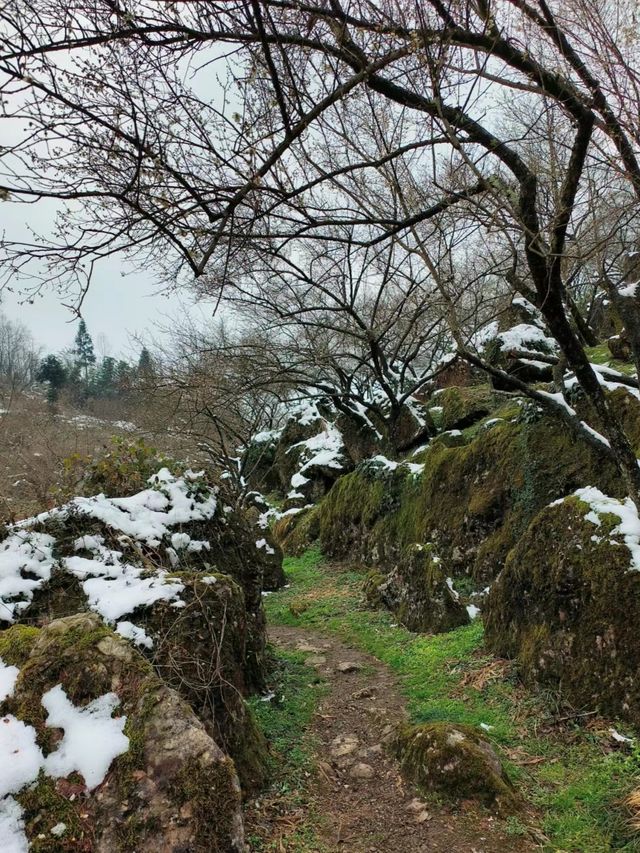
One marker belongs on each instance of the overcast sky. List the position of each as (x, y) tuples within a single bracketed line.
[(119, 307)]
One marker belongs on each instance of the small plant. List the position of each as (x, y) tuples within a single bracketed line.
[(124, 469)]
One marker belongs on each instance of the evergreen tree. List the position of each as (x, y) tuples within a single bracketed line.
[(123, 376), (145, 364), (53, 371), (106, 378), (83, 349)]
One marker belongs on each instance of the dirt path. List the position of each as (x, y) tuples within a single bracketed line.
[(365, 805)]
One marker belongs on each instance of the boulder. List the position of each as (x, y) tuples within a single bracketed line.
[(177, 575), (567, 605), (295, 532), (169, 788), (418, 592), (620, 346), (456, 762), (462, 407)]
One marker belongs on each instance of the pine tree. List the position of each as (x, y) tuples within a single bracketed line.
[(53, 371), (106, 378), (83, 349), (123, 376), (145, 364)]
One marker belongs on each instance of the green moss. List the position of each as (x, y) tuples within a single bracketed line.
[(455, 761), (567, 606), (371, 587), (45, 807), (601, 354), (16, 644), (473, 502), (211, 798), (462, 406), (296, 533)]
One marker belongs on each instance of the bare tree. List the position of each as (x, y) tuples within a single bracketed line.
[(19, 357), (191, 183)]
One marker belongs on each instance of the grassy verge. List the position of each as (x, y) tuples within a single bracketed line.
[(566, 768), (284, 811)]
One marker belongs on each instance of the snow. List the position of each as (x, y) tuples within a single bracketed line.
[(148, 515), (525, 336), (113, 585), (20, 755), (59, 830), (23, 552), (473, 611), (454, 594), (270, 435), (626, 511), (134, 633), (180, 541), (618, 737), (92, 737), (12, 835), (114, 588), (629, 289), (521, 302), (484, 335), (391, 465), (559, 399), (8, 678), (323, 450), (262, 543), (304, 412), (606, 378)]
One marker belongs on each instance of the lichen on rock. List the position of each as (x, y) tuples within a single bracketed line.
[(456, 762)]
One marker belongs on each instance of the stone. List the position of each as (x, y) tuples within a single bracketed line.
[(348, 666), (315, 660), (456, 762), (418, 592), (344, 745), (362, 771), (174, 789), (567, 607), (364, 693)]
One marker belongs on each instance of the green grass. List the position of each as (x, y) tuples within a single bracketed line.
[(285, 722), (564, 771)]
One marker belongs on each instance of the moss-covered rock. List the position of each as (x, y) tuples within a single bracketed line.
[(206, 650), (172, 790), (462, 407), (417, 592), (456, 762), (471, 502), (298, 532), (567, 607)]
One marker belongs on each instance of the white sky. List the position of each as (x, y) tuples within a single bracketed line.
[(117, 308)]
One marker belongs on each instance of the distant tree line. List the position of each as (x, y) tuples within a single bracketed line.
[(82, 376)]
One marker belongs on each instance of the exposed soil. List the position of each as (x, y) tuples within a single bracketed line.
[(364, 804)]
